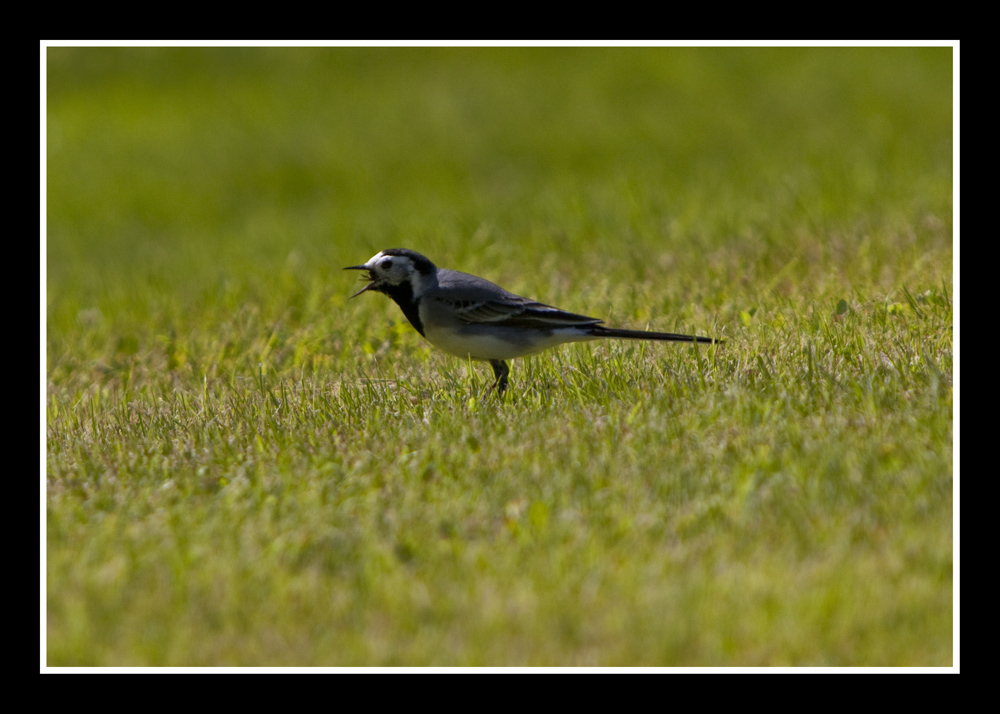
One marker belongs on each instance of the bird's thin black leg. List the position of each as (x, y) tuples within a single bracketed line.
[(501, 370)]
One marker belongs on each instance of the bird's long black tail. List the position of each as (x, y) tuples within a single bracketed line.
[(601, 331)]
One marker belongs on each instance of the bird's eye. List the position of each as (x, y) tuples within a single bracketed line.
[(386, 264)]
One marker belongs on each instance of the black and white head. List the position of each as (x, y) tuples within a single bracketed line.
[(396, 269)]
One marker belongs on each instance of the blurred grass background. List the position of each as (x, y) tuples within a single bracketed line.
[(244, 468)]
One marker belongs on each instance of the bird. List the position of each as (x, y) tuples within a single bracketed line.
[(472, 318)]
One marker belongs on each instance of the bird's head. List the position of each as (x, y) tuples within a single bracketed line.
[(394, 267)]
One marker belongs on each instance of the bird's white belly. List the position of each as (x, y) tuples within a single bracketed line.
[(499, 343)]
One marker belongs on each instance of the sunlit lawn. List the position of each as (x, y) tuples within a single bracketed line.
[(246, 468)]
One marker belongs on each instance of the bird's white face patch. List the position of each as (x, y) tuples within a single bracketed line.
[(391, 269)]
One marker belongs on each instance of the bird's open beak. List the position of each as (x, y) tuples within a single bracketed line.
[(371, 278)]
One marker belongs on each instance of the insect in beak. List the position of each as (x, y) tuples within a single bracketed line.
[(371, 278)]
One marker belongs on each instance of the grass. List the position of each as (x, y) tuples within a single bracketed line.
[(245, 468)]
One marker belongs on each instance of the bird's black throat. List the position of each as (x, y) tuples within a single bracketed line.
[(402, 295)]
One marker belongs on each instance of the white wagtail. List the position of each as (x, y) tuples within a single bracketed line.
[(472, 318)]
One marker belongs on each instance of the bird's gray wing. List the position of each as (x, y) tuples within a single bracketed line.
[(519, 313), (475, 300)]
